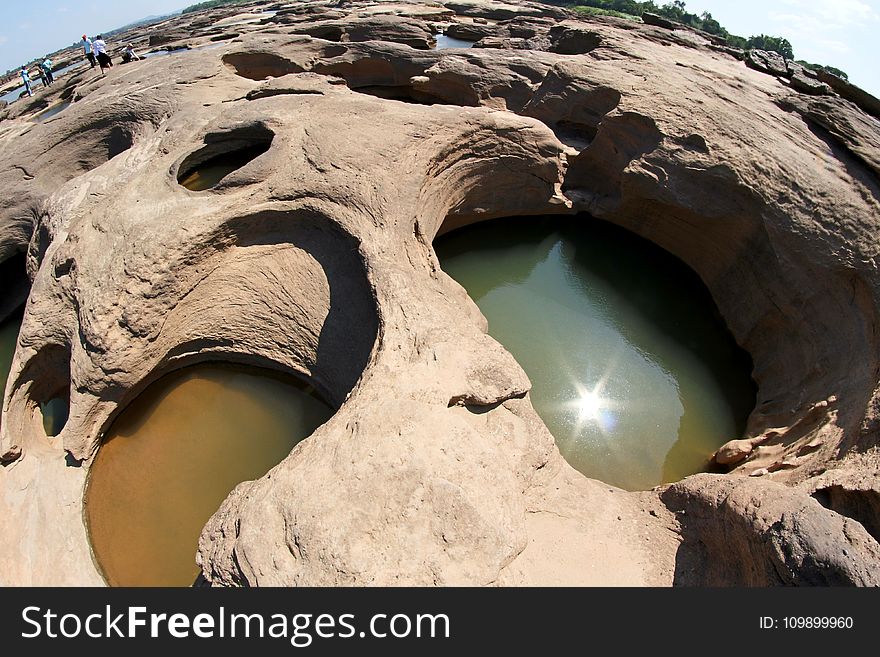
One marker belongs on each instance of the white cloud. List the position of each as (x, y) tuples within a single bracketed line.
[(841, 33), (833, 14), (839, 47), (61, 10), (3, 39), (798, 23), (819, 28)]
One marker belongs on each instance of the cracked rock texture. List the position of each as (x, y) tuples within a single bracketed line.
[(315, 258)]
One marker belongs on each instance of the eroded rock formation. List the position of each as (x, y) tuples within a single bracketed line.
[(315, 257)]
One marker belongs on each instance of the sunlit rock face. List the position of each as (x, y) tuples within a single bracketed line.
[(314, 257)]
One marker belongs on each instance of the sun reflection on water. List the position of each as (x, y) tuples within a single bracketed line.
[(592, 410)]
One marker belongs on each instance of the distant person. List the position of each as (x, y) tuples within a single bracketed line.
[(100, 50), (27, 80), (129, 55), (87, 50), (46, 67), (42, 75)]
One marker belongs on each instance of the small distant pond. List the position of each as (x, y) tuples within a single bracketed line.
[(444, 42), (48, 113), (160, 53)]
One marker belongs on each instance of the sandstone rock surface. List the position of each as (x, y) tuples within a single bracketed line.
[(767, 61), (435, 468)]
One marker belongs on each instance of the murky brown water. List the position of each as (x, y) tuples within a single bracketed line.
[(633, 370), (174, 454)]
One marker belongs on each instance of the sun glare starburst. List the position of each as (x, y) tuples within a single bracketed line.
[(589, 405), (593, 409)]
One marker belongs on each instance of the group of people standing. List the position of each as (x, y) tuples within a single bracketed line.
[(44, 70), (96, 52)]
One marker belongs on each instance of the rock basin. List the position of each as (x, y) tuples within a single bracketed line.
[(172, 456)]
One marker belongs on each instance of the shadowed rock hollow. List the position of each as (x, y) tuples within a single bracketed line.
[(314, 257)]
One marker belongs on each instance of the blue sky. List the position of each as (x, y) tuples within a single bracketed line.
[(842, 33)]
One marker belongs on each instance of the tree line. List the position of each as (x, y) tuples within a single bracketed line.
[(210, 4)]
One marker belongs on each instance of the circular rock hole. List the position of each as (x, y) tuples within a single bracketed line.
[(260, 65), (48, 377), (223, 153), (175, 452), (633, 369)]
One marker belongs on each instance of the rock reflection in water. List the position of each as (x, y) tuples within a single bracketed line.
[(175, 453), (632, 367)]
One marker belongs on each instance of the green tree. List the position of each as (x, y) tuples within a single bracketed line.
[(710, 25), (820, 67), (674, 10), (774, 44)]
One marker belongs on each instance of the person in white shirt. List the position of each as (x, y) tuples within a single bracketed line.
[(100, 50), (87, 50)]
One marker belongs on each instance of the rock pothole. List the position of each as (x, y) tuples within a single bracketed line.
[(260, 65), (223, 154), (46, 380)]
